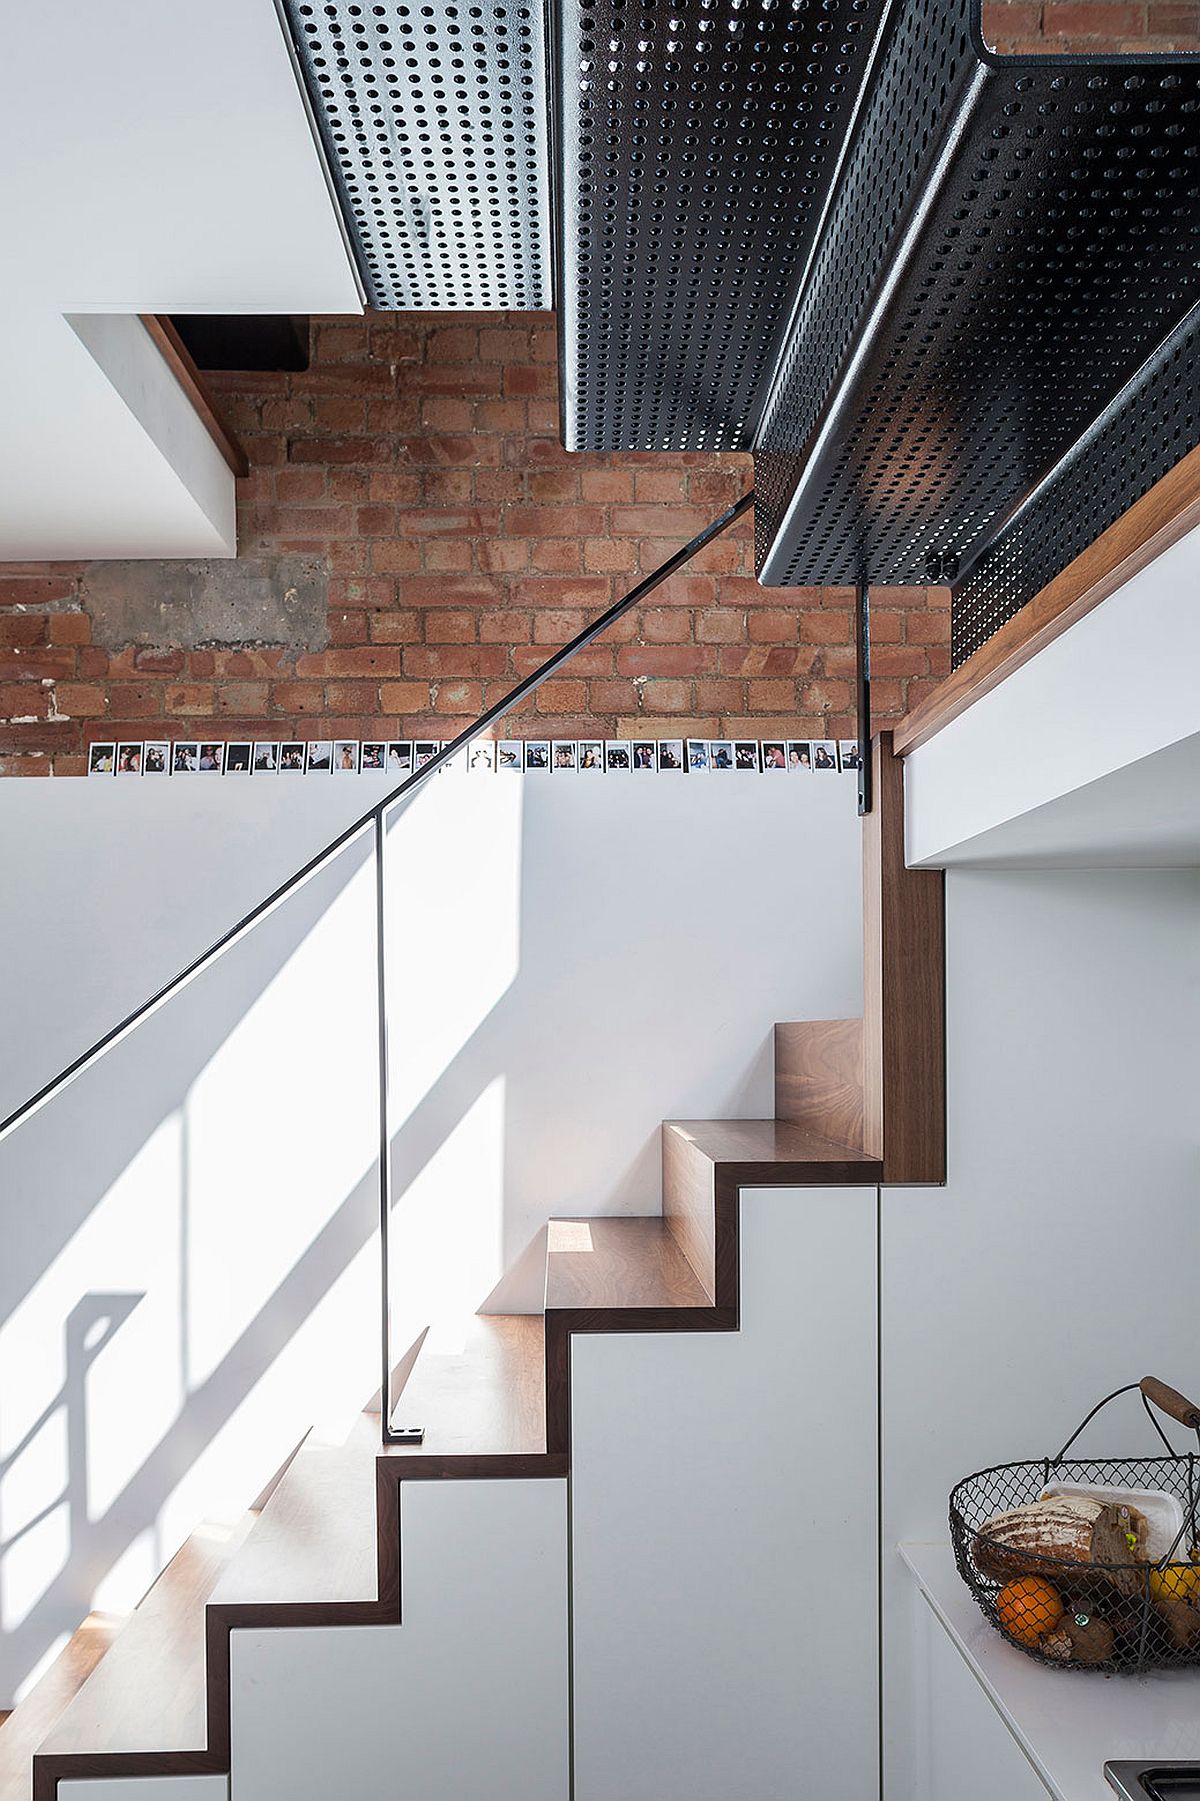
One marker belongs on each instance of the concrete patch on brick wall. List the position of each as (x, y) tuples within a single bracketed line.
[(244, 600)]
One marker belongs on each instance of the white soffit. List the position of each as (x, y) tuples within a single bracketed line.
[(1087, 754), (156, 157)]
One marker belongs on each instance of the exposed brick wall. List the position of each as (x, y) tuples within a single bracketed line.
[(1101, 27), (419, 456)]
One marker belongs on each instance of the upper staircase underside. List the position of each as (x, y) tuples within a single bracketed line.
[(946, 296)]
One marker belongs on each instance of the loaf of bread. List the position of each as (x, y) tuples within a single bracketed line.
[(1070, 1528)]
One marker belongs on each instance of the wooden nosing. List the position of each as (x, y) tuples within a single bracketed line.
[(1151, 525), (176, 355)]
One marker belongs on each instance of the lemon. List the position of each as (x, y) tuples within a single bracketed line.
[(1178, 1582)]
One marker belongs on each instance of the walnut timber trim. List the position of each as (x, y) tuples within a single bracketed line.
[(1152, 524)]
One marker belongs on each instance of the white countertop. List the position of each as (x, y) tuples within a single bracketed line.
[(1069, 1723)]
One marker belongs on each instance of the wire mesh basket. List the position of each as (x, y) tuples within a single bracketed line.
[(1090, 1563)]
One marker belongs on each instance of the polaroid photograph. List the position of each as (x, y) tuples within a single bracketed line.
[(697, 753), (156, 759), (102, 759), (616, 757), (318, 757), (745, 755), (345, 756), (129, 759), (645, 754), (399, 757), (266, 758), (720, 754), (670, 754), (847, 754), (212, 759), (291, 759), (510, 755), (537, 754), (591, 756), (824, 755), (481, 757), (373, 758), (426, 750), (566, 756), (185, 758), (237, 759), (799, 755), (774, 755)]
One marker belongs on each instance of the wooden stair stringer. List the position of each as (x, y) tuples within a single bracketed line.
[(878, 1084)]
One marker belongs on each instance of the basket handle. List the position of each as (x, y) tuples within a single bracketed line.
[(1170, 1401)]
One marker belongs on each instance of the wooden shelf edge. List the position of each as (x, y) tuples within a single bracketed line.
[(175, 354), (1152, 525)]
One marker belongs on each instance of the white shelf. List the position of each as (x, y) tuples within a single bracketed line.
[(1069, 1723)]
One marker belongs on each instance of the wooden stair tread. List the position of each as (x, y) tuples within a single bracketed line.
[(597, 1265), (315, 1539), (765, 1149), (36, 1716), (486, 1400), (147, 1693)]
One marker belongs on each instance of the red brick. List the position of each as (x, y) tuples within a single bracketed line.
[(79, 700), (27, 700), (403, 697), (370, 659), (35, 591), (190, 697), (32, 662), (450, 627), (69, 628), (24, 629), (665, 659), (666, 697), (1081, 19)]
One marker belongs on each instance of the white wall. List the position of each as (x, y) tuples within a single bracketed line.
[(467, 1697), (1059, 1260), (572, 960), (1090, 703), (180, 175), (723, 1511)]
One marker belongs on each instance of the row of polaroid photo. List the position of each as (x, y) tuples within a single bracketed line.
[(349, 756)]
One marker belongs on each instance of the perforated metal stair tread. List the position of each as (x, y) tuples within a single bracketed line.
[(434, 121), (992, 277)]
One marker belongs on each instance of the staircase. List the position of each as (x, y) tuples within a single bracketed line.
[(340, 1541)]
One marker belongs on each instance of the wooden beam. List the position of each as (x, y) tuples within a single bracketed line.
[(175, 354), (1151, 525)]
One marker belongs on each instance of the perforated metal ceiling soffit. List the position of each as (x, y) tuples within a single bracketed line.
[(698, 144), (434, 122), (976, 368)]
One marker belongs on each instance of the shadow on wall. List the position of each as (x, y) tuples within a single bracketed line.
[(190, 1280), (189, 1272)]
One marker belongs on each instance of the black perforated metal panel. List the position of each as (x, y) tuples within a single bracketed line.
[(1010, 242), (1155, 424), (698, 144), (434, 121)]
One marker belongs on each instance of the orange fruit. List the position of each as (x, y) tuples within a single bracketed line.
[(1029, 1607)]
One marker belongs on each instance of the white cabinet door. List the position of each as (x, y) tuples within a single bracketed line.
[(723, 1492), (964, 1749)]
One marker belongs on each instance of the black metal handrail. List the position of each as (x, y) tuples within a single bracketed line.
[(376, 813), (375, 819)]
